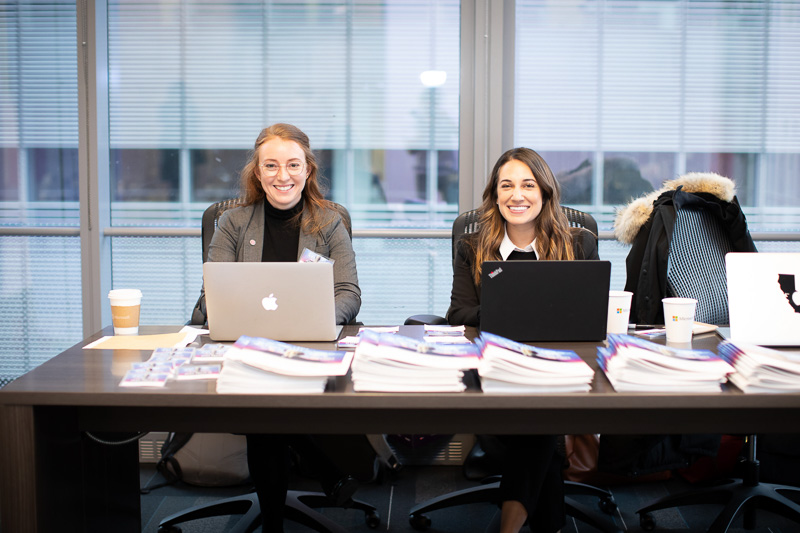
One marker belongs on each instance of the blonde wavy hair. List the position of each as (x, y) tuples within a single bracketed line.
[(552, 231), (314, 202)]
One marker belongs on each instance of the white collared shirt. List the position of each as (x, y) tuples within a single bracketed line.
[(506, 247)]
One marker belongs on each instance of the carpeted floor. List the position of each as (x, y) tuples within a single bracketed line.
[(394, 497)]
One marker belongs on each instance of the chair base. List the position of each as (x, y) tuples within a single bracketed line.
[(737, 496), (300, 507), (490, 493)]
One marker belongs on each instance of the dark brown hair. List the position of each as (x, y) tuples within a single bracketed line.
[(552, 233)]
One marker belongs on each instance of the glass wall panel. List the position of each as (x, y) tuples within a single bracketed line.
[(40, 278), (628, 175), (374, 85), (655, 89), (403, 277), (741, 168), (423, 265), (575, 173), (38, 113), (168, 271), (40, 301)]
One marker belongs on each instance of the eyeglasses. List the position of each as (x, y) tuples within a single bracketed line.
[(294, 168)]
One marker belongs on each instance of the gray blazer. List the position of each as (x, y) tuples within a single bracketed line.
[(239, 237)]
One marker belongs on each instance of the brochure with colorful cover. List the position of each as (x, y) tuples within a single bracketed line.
[(144, 378), (288, 359), (497, 350), (664, 358), (635, 364), (761, 369), (191, 372), (210, 353), (412, 351)]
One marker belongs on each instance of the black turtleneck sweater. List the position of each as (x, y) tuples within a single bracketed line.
[(281, 233)]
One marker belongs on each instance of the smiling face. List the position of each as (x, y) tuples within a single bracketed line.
[(282, 189), (519, 197)]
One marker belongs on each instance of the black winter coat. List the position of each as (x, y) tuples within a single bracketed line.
[(646, 264)]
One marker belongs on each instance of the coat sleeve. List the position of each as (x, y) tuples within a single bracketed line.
[(339, 247), (465, 303)]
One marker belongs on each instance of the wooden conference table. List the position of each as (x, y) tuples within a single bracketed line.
[(54, 477)]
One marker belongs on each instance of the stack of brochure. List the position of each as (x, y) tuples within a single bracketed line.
[(634, 364), (179, 364), (760, 369), (511, 367), (255, 365), (387, 362), (445, 334)]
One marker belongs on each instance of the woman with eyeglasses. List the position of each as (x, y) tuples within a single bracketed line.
[(282, 212), (520, 218)]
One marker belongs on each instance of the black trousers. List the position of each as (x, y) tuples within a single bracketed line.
[(532, 475), (269, 460)]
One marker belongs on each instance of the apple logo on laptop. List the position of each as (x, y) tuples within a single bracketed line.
[(270, 303)]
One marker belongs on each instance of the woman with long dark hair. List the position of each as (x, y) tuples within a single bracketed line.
[(520, 218)]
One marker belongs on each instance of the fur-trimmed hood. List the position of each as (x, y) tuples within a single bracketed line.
[(632, 217)]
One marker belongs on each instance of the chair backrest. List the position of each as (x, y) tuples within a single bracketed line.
[(696, 263), (211, 219), (468, 222), (214, 211)]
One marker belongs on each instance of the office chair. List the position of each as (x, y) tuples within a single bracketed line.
[(300, 505), (696, 269), (468, 222), (489, 491)]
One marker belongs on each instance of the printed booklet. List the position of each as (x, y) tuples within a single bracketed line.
[(761, 369), (387, 362), (634, 364), (512, 367), (240, 378), (288, 359)]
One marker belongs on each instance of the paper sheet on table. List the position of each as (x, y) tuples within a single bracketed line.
[(698, 328), (143, 342)]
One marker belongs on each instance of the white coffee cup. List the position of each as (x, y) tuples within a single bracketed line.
[(679, 318), (125, 306), (619, 310)]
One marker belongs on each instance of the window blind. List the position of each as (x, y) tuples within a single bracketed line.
[(212, 74), (38, 74), (674, 76)]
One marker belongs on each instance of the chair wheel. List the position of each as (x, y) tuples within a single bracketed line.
[(169, 529), (420, 522), (373, 520), (647, 522), (607, 505)]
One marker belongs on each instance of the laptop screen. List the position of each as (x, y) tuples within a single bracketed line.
[(545, 300)]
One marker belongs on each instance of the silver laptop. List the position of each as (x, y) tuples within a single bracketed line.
[(763, 298), (279, 301)]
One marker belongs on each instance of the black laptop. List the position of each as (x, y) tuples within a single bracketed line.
[(532, 301)]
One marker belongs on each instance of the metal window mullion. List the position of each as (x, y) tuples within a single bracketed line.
[(481, 126), (95, 207)]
